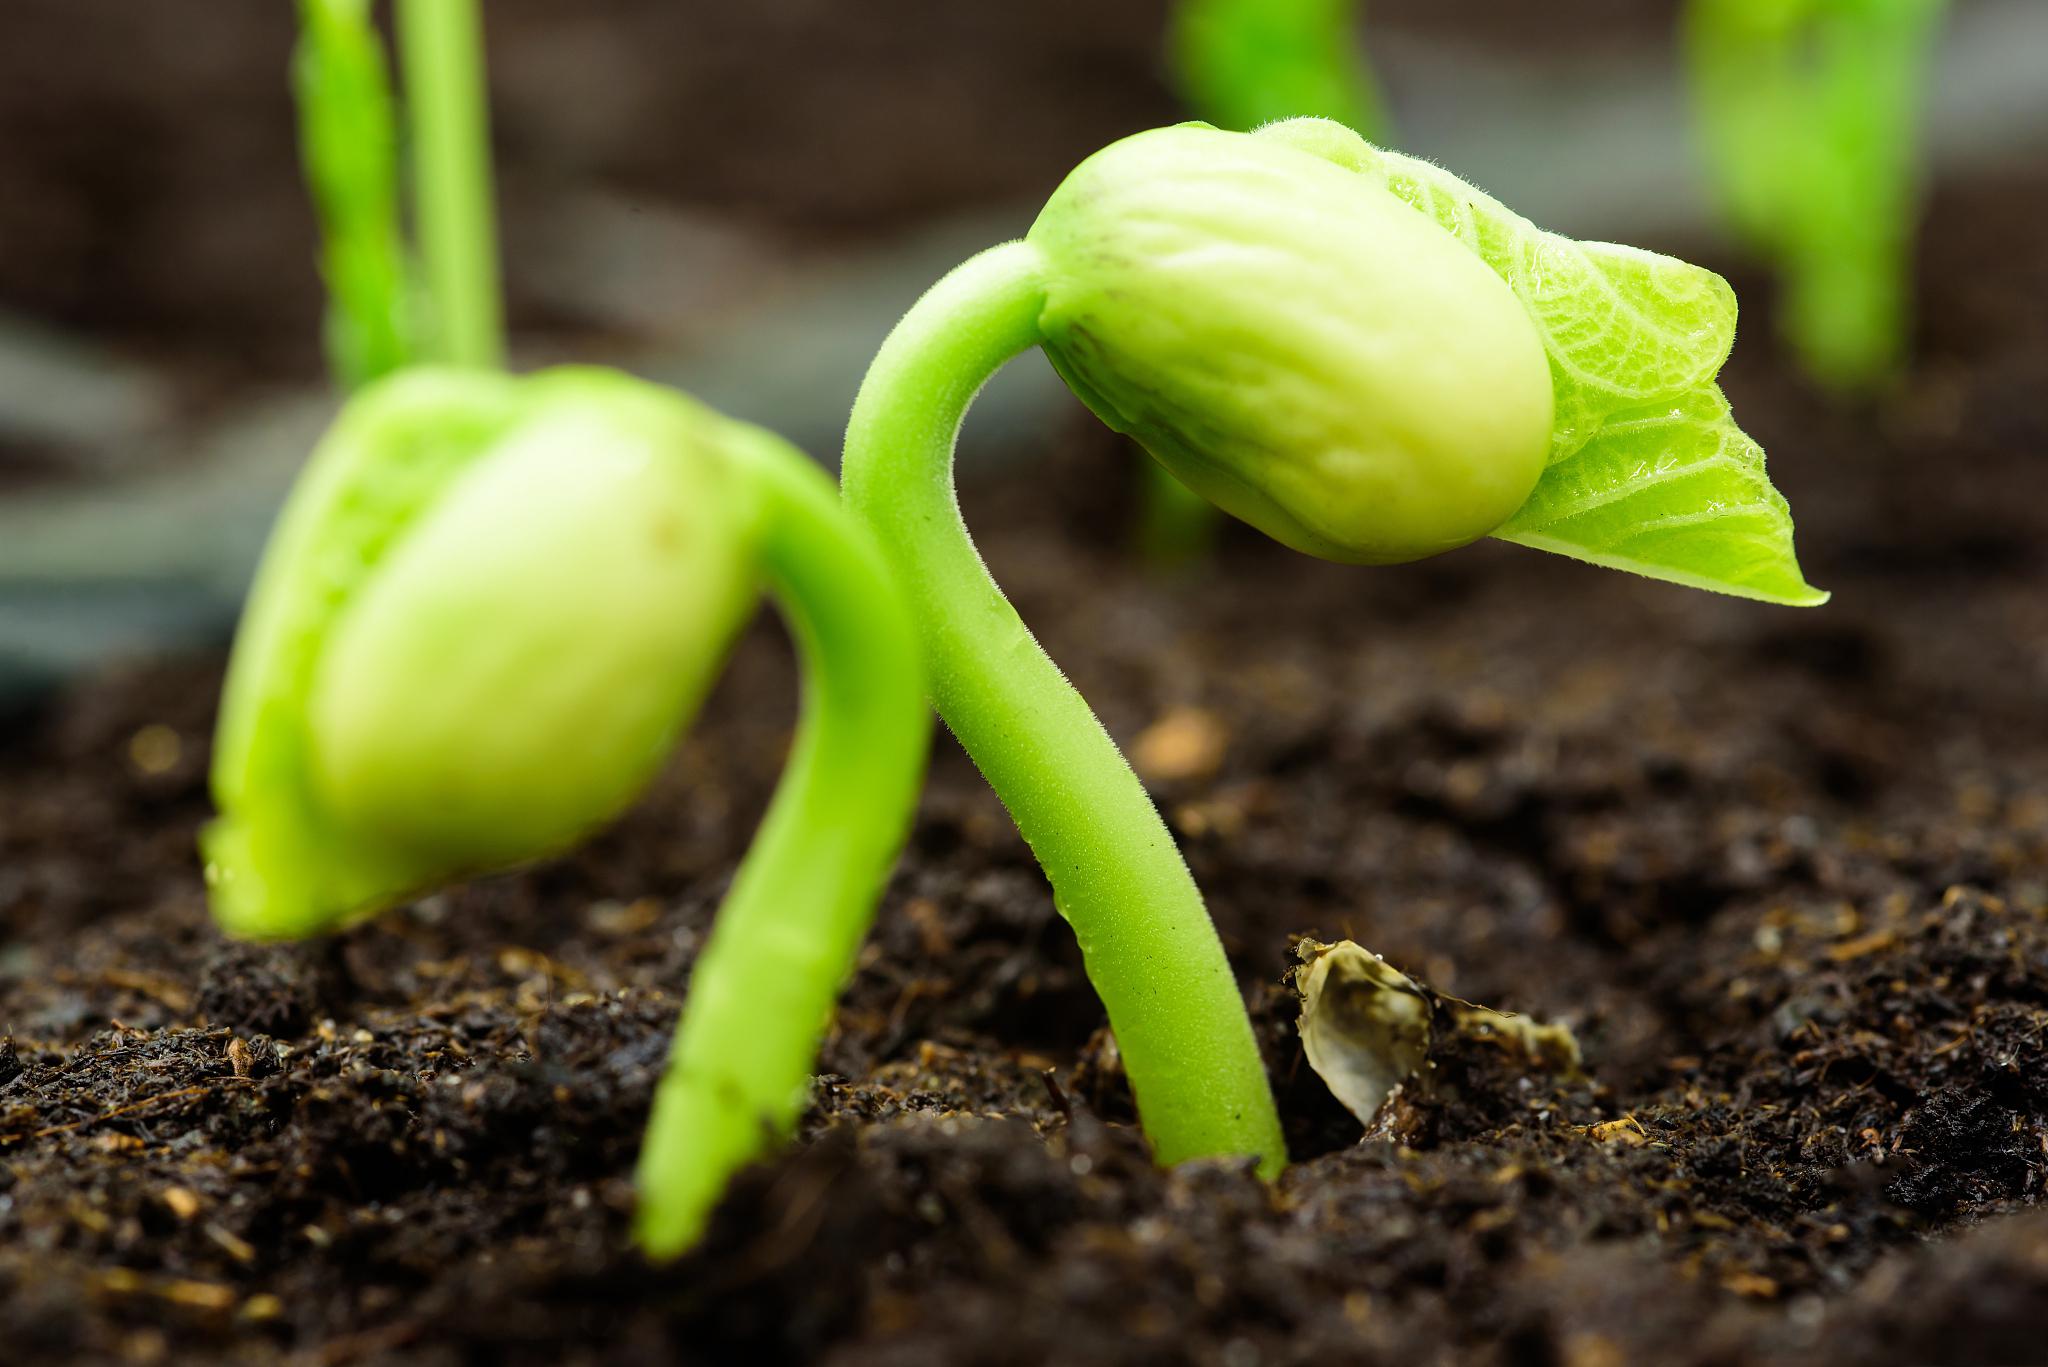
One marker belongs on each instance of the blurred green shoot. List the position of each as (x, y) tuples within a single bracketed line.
[(377, 321), (1808, 114), (449, 110), (1242, 63), (348, 144)]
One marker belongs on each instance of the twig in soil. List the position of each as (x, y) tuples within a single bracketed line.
[(370, 1344), (160, 990), (185, 1291), (200, 1089), (1059, 1097)]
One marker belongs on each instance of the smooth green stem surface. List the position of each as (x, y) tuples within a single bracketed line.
[(1150, 949), (442, 46), (784, 942)]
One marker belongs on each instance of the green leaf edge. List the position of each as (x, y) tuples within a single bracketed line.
[(1812, 598), (1472, 211), (1753, 495)]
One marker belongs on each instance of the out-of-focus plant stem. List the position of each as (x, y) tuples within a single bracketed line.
[(442, 46), (1809, 113), (348, 144)]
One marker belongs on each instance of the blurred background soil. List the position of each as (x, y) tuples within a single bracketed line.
[(1782, 872), (153, 197), (153, 192)]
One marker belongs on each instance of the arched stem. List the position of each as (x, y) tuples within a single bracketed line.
[(785, 940), (1117, 877), (441, 42)]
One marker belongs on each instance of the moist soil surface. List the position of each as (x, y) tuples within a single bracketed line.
[(1782, 872)]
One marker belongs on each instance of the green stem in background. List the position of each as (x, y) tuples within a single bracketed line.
[(786, 938), (348, 143), (1242, 63), (1151, 952), (442, 44), (1176, 525), (1809, 119)]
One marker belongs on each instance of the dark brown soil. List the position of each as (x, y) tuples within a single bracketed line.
[(1783, 872), (153, 197)]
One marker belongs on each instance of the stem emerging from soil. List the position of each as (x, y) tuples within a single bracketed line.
[(1151, 951), (785, 940), (442, 46)]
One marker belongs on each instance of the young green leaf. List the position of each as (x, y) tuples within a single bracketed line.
[(1675, 492), (1623, 327), (1648, 471)]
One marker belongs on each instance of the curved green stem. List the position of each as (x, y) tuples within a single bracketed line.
[(785, 940), (1117, 877), (442, 45)]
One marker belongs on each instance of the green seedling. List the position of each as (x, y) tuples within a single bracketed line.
[(486, 615), (1808, 115), (489, 609), (1363, 356), (1240, 64)]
